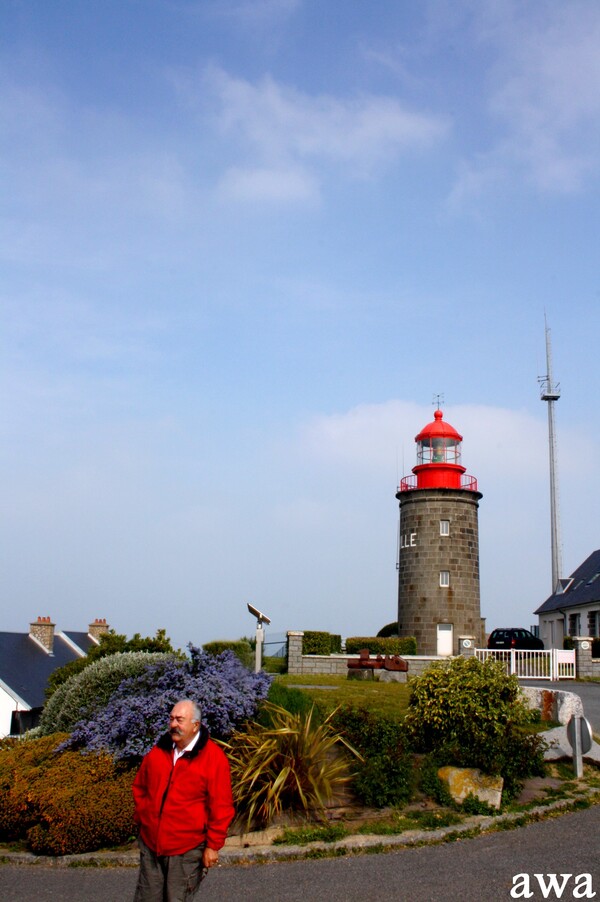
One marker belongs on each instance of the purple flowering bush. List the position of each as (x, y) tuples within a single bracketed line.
[(137, 712)]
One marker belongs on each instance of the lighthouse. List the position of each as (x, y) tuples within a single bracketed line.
[(438, 555)]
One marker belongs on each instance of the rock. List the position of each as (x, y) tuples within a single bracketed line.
[(554, 704), (391, 676), (462, 781)]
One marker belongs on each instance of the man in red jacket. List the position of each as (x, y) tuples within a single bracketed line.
[(183, 805)]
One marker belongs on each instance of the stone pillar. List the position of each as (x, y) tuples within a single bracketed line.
[(42, 630), (294, 655), (583, 656), (97, 628), (466, 646)]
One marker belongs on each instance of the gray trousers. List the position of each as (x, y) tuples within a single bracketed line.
[(169, 878)]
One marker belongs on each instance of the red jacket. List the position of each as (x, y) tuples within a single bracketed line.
[(178, 807)]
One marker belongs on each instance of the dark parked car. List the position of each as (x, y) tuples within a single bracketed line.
[(514, 638)]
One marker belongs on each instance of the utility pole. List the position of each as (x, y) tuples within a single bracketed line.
[(550, 392)]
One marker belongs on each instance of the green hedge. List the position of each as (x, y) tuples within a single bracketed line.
[(315, 642), (241, 649), (379, 646)]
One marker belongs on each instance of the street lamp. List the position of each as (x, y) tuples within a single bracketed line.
[(260, 634)]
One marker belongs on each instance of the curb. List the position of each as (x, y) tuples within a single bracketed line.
[(350, 845)]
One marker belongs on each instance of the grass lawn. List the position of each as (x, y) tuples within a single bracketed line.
[(387, 699)]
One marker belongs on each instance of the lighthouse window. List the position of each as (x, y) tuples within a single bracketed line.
[(444, 527), (444, 578)]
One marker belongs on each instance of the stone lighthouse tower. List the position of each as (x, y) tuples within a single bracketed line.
[(438, 561)]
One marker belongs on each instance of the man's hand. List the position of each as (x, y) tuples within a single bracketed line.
[(210, 858)]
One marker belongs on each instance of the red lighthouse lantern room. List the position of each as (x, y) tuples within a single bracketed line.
[(438, 459)]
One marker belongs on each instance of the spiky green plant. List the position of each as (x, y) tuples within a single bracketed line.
[(292, 764)]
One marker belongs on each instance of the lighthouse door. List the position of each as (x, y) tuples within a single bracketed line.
[(445, 639)]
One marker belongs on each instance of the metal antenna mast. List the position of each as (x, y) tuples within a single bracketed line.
[(550, 392)]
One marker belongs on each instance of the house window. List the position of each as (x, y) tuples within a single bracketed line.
[(574, 625), (592, 623), (444, 578), (444, 527)]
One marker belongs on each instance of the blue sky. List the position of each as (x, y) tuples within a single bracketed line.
[(244, 245)]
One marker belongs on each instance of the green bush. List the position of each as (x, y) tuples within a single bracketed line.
[(241, 649), (315, 642), (385, 775), (110, 643), (471, 714), (274, 664), (290, 699), (382, 646), (89, 691), (63, 803), (568, 643), (430, 783), (389, 630), (596, 647)]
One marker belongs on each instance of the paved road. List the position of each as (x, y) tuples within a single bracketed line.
[(588, 692), (463, 871)]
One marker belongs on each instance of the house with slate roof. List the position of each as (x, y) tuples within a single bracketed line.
[(574, 608), (26, 662)]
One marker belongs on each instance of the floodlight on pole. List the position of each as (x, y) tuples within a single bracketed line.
[(260, 635)]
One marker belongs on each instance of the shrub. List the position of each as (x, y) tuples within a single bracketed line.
[(430, 783), (63, 803), (472, 714), (596, 647), (241, 649), (110, 643), (389, 630), (86, 693), (568, 643), (292, 700), (382, 646), (137, 712), (315, 642), (292, 764), (384, 776), (275, 664)]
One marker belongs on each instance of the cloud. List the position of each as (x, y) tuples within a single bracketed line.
[(286, 133), (281, 185), (544, 97), (256, 12), (368, 436)]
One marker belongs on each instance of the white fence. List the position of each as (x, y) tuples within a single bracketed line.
[(553, 664)]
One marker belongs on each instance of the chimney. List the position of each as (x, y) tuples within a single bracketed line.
[(42, 630), (98, 627)]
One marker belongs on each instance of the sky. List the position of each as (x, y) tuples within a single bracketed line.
[(245, 246)]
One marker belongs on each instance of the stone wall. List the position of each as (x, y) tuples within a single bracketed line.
[(338, 664)]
